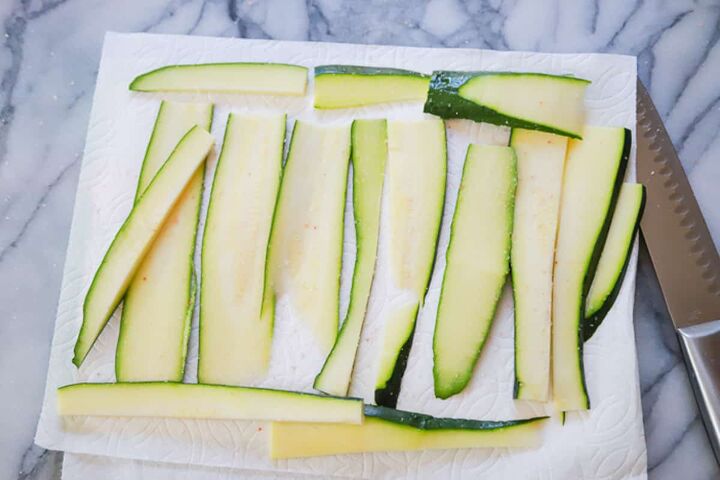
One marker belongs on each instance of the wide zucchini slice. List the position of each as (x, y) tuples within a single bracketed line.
[(192, 400), (477, 264), (234, 341), (259, 78), (540, 163), (415, 178), (137, 234), (615, 256), (159, 302), (533, 101), (305, 249), (369, 153), (346, 86), (386, 429), (594, 169)]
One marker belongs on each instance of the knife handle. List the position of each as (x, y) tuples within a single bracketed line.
[(701, 348)]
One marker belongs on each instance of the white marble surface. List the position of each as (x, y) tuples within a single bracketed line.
[(48, 62)]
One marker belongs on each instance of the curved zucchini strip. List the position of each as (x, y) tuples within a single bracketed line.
[(415, 177), (158, 306), (386, 429), (369, 152), (192, 400), (305, 249), (259, 78), (541, 160), (477, 264), (615, 256), (137, 234), (594, 170), (234, 342), (346, 86), (533, 101)]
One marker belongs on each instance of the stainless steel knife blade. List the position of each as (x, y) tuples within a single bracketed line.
[(685, 259)]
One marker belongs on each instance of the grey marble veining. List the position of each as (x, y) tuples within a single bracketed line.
[(49, 56)]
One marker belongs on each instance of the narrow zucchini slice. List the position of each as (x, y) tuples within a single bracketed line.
[(594, 169), (477, 264), (541, 160), (387, 429), (260, 78), (192, 400), (533, 101), (305, 250), (415, 177), (615, 256), (137, 234), (345, 86), (159, 303), (369, 152), (234, 342)]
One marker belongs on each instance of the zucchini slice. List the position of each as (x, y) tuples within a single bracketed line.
[(159, 302), (369, 152), (533, 101), (137, 234), (234, 341), (305, 249), (594, 170), (540, 163), (260, 78), (415, 177), (346, 86), (387, 429), (615, 256), (472, 283), (192, 400)]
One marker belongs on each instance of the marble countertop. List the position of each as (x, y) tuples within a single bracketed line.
[(48, 63)]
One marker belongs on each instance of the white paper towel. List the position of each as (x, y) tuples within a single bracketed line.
[(606, 442)]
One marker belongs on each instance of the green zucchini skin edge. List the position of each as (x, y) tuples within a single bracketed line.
[(388, 395), (597, 251), (592, 322), (365, 71), (428, 422), (444, 100)]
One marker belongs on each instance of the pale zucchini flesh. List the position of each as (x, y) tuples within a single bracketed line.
[(385, 430), (533, 101), (234, 341), (137, 234), (305, 249), (158, 305), (415, 178), (540, 163), (369, 153), (198, 401), (258, 78), (477, 264), (347, 86), (594, 169), (615, 256)]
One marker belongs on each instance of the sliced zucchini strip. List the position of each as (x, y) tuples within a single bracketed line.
[(192, 400), (594, 169), (346, 86), (137, 234), (541, 161), (386, 429), (477, 264), (533, 101), (369, 153), (159, 303), (260, 78), (234, 341)]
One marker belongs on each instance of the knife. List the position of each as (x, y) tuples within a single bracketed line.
[(685, 259)]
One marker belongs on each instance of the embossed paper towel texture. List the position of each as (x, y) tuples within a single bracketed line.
[(606, 442)]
